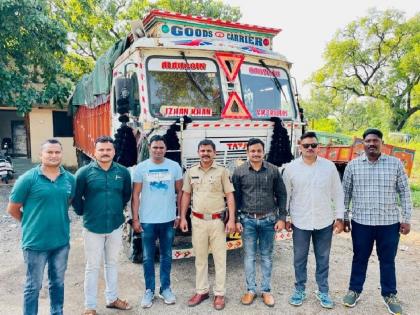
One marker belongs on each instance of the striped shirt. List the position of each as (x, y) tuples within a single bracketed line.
[(378, 191)]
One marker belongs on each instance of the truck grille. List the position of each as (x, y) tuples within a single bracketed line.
[(224, 158)]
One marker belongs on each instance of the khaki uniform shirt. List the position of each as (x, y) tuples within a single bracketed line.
[(208, 188)]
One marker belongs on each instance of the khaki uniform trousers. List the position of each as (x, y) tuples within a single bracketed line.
[(209, 235)]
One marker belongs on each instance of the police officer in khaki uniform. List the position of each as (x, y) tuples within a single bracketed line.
[(209, 184)]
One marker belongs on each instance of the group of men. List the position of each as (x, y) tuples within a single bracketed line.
[(257, 200)]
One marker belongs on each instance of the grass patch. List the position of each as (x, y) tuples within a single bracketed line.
[(415, 194)]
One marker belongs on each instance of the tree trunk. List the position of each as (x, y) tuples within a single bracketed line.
[(401, 120)]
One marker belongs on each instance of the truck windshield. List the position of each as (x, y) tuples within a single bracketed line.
[(178, 87), (261, 95)]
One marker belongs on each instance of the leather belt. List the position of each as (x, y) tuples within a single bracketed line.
[(207, 216), (258, 216)]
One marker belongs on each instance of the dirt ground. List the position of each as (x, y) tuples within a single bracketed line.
[(131, 280)]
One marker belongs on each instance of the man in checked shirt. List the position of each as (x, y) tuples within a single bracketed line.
[(374, 183)]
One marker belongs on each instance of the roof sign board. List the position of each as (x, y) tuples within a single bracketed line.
[(165, 24)]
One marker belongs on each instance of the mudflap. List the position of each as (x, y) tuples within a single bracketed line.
[(132, 244), (136, 252)]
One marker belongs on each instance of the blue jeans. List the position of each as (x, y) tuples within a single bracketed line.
[(35, 262), (165, 232), (321, 240), (387, 238), (258, 233)]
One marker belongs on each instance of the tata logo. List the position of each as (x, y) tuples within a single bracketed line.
[(190, 31), (232, 146)]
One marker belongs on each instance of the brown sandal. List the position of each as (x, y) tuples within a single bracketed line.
[(89, 312), (119, 305)]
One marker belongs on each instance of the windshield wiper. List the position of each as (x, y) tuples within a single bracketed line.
[(275, 80), (193, 80)]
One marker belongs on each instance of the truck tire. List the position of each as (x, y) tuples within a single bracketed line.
[(340, 169)]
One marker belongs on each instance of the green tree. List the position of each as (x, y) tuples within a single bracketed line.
[(32, 47), (377, 56), (94, 25), (210, 8)]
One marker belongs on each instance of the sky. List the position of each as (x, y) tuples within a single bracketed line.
[(308, 25)]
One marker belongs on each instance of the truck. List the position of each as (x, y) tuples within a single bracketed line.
[(189, 78), (341, 149)]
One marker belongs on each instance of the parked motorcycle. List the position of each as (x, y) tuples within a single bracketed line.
[(6, 164)]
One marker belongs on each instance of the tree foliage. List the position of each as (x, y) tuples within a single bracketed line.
[(375, 57), (32, 47), (94, 25), (45, 43)]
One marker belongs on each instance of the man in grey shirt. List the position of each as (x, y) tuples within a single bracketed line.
[(260, 197)]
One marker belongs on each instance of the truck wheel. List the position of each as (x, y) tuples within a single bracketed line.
[(340, 169)]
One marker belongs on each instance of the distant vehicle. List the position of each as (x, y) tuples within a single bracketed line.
[(341, 149), (6, 164)]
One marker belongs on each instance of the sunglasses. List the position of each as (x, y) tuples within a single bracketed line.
[(307, 145)]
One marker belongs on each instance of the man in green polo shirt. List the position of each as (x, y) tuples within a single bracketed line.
[(40, 200), (103, 188)]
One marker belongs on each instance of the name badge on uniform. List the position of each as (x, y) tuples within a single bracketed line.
[(195, 179)]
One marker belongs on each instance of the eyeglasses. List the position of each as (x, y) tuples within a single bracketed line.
[(307, 145)]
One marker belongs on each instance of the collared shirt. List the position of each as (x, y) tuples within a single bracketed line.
[(260, 192), (208, 187), (45, 218), (312, 189), (101, 196), (373, 189)]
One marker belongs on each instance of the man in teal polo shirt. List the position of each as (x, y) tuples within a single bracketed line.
[(103, 188), (40, 200)]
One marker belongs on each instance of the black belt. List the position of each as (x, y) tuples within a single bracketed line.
[(257, 216)]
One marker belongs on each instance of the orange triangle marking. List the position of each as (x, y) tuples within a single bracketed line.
[(235, 62), (235, 108)]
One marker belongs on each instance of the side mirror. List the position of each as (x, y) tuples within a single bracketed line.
[(123, 90)]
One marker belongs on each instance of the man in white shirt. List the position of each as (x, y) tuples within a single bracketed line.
[(313, 184)]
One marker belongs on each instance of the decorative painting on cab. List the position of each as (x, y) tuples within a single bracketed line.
[(179, 87), (262, 96)]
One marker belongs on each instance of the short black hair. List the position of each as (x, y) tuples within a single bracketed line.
[(373, 131), (206, 142), (104, 139), (157, 138), (253, 141), (51, 141), (309, 134)]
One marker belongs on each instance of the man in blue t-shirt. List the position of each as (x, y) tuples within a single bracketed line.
[(40, 200), (157, 184)]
